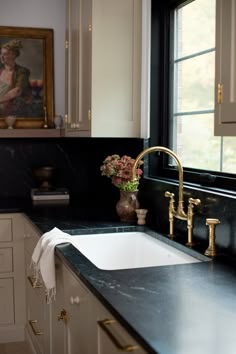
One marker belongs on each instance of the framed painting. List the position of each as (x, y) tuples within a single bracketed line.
[(27, 77)]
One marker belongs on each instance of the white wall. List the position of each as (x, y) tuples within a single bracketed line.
[(42, 14)]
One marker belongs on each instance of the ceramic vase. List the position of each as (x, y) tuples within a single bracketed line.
[(126, 206)]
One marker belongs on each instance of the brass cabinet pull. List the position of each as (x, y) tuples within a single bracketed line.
[(89, 114), (106, 326), (219, 93), (35, 331), (33, 282)]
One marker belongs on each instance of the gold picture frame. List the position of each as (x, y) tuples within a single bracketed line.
[(32, 79)]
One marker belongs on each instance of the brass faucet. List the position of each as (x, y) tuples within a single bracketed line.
[(173, 213)]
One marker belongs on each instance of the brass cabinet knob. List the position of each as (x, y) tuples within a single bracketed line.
[(62, 316), (211, 250), (74, 300)]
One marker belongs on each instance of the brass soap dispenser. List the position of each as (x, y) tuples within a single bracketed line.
[(211, 250)]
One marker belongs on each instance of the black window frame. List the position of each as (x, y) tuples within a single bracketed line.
[(162, 25)]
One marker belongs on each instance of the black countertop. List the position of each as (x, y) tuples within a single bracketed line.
[(179, 309)]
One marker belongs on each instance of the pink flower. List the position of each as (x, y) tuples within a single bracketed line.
[(119, 169)]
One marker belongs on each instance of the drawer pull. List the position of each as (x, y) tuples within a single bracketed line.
[(33, 282), (35, 331), (106, 326)]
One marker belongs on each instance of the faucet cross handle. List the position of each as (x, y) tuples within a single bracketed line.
[(194, 201)]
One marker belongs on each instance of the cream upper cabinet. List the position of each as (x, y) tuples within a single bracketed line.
[(78, 67), (225, 108), (104, 68)]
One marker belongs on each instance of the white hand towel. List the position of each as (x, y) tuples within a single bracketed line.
[(43, 259)]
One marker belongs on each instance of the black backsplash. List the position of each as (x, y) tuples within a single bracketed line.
[(78, 161), (214, 205)]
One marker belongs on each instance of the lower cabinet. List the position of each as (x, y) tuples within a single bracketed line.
[(76, 322), (81, 324), (12, 293), (38, 312), (70, 319)]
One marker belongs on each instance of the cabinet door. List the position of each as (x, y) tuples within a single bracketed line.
[(116, 68), (12, 293), (225, 118), (7, 302), (38, 312), (78, 100), (104, 68), (77, 309), (59, 322)]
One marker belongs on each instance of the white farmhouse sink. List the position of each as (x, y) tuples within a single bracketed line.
[(125, 250)]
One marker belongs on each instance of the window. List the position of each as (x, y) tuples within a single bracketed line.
[(188, 110)]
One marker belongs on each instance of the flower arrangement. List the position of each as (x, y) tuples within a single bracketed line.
[(119, 169)]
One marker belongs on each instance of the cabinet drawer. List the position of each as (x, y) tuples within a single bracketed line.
[(112, 336), (7, 302), (6, 230), (6, 261)]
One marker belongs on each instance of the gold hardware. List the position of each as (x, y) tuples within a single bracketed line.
[(211, 250), (106, 326), (219, 93), (90, 28), (171, 212), (33, 282), (191, 203), (178, 213), (89, 114), (35, 331), (45, 124), (67, 44), (63, 316), (67, 119)]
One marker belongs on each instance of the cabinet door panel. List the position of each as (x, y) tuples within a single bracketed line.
[(7, 302), (38, 311), (6, 230), (79, 66), (225, 82), (59, 330), (6, 260), (77, 307)]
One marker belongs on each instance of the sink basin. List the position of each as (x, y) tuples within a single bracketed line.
[(126, 250)]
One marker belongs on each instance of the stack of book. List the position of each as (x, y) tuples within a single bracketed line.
[(56, 194)]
